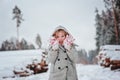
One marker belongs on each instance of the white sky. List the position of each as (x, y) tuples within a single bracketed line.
[(42, 16)]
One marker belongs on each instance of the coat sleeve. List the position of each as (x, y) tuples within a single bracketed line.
[(52, 55), (72, 54)]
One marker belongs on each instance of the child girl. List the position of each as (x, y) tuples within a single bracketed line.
[(61, 55)]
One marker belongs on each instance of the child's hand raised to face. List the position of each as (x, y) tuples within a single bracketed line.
[(54, 43), (68, 42)]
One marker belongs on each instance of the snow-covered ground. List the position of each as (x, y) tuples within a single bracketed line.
[(10, 60)]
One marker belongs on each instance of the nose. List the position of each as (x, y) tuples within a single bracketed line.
[(60, 38)]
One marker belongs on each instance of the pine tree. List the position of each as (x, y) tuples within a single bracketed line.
[(108, 24), (112, 6), (98, 29), (18, 16), (24, 44), (38, 41)]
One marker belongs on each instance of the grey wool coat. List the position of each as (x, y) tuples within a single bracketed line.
[(62, 64)]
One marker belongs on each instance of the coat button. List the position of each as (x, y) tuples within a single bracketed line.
[(59, 67), (64, 51), (65, 58), (58, 59), (66, 66)]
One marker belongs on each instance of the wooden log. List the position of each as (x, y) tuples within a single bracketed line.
[(114, 67), (101, 64), (114, 62), (118, 64), (4, 77), (107, 64), (22, 73), (19, 72), (107, 60)]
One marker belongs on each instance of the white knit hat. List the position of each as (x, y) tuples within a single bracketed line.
[(60, 27)]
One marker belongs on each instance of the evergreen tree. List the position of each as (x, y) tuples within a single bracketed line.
[(31, 46), (113, 8), (98, 29), (38, 41), (24, 44), (82, 56), (108, 24)]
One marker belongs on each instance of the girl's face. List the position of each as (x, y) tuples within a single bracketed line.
[(60, 36)]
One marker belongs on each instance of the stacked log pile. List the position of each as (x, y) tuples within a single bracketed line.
[(106, 61), (33, 68), (22, 73), (115, 64)]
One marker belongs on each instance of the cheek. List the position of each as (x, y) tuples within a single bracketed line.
[(63, 38)]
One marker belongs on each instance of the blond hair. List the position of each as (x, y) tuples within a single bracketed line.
[(59, 30)]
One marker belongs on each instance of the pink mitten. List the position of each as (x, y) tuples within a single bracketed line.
[(54, 43), (68, 42)]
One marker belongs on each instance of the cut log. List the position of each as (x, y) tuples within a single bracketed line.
[(22, 73), (114, 62), (107, 65), (114, 67)]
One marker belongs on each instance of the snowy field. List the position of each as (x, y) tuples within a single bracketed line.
[(10, 60)]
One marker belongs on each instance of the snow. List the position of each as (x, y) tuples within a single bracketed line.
[(109, 51), (17, 59), (110, 47)]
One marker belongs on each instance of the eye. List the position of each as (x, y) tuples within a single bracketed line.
[(63, 36), (57, 36)]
